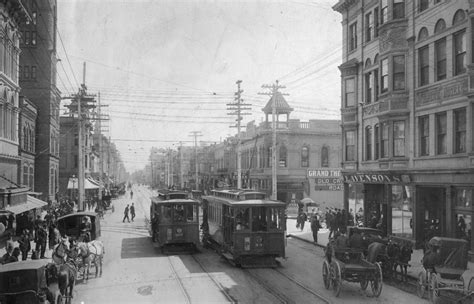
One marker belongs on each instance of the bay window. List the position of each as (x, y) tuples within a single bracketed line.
[(441, 133), (399, 138), (350, 145), (384, 75), (460, 130), (399, 72)]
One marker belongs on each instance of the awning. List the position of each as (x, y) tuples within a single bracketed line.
[(73, 184), (31, 203)]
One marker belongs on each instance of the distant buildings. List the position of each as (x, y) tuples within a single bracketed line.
[(407, 115)]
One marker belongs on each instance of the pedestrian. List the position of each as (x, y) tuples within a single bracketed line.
[(303, 218), (131, 194), (41, 239), (315, 225), (132, 211), (8, 256), (25, 245), (54, 236), (125, 214)]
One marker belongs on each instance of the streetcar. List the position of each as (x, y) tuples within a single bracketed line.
[(248, 229), (174, 222)]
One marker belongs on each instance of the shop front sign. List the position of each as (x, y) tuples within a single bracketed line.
[(380, 178), (327, 179)]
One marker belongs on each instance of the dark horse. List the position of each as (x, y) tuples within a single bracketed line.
[(67, 268)]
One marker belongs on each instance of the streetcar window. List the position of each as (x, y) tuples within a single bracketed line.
[(166, 213), (275, 218), (178, 213), (242, 218), (259, 219), (189, 213)]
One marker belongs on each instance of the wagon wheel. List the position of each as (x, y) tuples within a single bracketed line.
[(326, 275), (376, 283), (421, 284), (336, 278), (434, 289)]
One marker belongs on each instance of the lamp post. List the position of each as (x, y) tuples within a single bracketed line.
[(73, 186)]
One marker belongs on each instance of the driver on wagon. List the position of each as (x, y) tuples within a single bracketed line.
[(86, 229)]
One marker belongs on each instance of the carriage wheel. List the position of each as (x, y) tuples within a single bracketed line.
[(376, 283), (336, 278), (326, 275), (364, 283), (434, 289), (421, 284)]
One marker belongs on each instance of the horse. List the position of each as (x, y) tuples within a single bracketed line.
[(404, 256), (65, 261), (91, 252)]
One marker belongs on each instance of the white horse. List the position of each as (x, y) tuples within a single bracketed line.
[(91, 252)]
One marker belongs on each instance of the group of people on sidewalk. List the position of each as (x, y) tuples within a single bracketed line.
[(131, 210), (44, 232)]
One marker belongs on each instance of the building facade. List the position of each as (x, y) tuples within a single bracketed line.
[(27, 146), (407, 115), (37, 70)]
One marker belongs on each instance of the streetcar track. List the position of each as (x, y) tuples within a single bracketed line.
[(281, 297), (222, 289), (180, 281)]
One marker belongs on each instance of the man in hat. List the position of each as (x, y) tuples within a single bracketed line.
[(125, 214), (25, 245), (41, 239)]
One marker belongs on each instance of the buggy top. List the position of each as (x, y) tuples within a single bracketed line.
[(23, 276), (453, 256)]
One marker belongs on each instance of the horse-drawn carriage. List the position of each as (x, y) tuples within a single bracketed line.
[(350, 265), (443, 266), (31, 281), (71, 225)]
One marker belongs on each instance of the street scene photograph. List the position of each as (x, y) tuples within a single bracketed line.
[(236, 151)]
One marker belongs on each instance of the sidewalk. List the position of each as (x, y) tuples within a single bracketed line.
[(307, 236)]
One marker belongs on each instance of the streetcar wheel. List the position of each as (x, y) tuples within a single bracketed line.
[(326, 276), (434, 291), (336, 279), (363, 284), (376, 283), (421, 284)]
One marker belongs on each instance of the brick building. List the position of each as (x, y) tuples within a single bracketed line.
[(407, 115), (37, 71)]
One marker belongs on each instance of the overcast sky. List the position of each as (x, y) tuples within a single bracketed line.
[(166, 68)]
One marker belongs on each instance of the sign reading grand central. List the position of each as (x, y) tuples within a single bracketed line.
[(326, 179)]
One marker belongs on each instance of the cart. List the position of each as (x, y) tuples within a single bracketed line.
[(444, 280), (30, 281), (349, 264), (70, 225)]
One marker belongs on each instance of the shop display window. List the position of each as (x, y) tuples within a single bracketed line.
[(463, 197), (356, 202), (463, 227), (402, 211)]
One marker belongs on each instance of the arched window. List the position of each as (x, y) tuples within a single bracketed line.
[(305, 156), (25, 138), (440, 26), (376, 59), (422, 34), (368, 63), (283, 156), (459, 17), (324, 157)]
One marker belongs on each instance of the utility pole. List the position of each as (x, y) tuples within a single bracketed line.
[(274, 91), (196, 134), (236, 108), (181, 179)]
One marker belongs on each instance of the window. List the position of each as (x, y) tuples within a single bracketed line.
[(423, 4), (459, 17), (398, 9), (350, 145), (424, 123), (399, 72), (376, 84), (369, 26), (368, 87), (422, 34), (441, 132), (376, 141), (384, 141), (33, 72), (350, 92), (25, 175), (305, 156), (376, 22), (34, 17), (353, 36), (440, 57), (75, 161), (368, 143), (459, 43), (33, 38), (402, 206), (27, 38), (324, 157), (32, 177), (440, 26), (399, 138), (384, 75), (460, 130), (384, 12), (424, 62), (76, 140), (283, 156), (26, 72), (20, 71)]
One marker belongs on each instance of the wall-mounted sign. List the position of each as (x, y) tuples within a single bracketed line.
[(325, 172), (326, 179), (332, 187), (376, 178)]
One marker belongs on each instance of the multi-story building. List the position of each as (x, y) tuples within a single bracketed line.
[(407, 115), (27, 134), (38, 83)]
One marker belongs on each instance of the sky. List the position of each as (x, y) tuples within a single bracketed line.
[(167, 68)]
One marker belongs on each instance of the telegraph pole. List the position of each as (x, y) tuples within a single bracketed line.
[(274, 91), (236, 108), (181, 179), (196, 134)]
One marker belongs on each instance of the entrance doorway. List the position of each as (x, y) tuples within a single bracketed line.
[(431, 213)]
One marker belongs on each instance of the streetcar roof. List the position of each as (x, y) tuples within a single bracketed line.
[(246, 203), (183, 201)]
